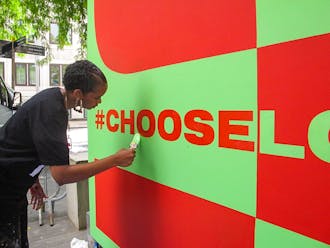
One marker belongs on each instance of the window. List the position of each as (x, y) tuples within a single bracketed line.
[(54, 32), (32, 74), (2, 70), (55, 77), (56, 73), (21, 74), (64, 68), (25, 74)]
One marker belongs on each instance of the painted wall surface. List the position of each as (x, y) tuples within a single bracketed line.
[(232, 101)]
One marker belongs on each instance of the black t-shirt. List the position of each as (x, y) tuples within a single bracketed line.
[(35, 135)]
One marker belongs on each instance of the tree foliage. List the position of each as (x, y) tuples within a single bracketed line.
[(32, 18)]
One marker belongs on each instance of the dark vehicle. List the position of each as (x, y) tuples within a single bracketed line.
[(10, 100)]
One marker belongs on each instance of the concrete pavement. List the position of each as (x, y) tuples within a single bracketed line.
[(57, 236)]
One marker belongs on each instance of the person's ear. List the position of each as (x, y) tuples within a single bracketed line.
[(77, 93)]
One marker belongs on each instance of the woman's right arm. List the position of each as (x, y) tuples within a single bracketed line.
[(64, 174)]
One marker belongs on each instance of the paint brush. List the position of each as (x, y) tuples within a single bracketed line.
[(135, 141)]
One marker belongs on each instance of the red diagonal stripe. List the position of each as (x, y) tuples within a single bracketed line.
[(137, 212), (139, 35)]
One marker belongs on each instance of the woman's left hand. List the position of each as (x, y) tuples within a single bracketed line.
[(37, 195)]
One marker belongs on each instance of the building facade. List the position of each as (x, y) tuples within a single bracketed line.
[(32, 77)]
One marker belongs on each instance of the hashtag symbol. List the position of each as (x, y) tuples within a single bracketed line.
[(99, 119)]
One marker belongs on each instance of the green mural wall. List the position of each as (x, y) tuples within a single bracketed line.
[(232, 102)]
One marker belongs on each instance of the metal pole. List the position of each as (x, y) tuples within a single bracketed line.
[(13, 67)]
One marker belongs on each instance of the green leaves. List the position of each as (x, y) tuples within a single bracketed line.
[(32, 18)]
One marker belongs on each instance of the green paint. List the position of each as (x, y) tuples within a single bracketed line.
[(227, 82), (267, 139), (282, 20), (96, 233), (271, 236), (318, 136), (224, 176)]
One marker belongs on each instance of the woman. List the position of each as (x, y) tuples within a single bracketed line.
[(35, 136)]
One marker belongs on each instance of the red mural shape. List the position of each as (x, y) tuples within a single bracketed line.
[(294, 80), (136, 212), (173, 31)]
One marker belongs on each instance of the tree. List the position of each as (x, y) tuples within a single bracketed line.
[(32, 18)]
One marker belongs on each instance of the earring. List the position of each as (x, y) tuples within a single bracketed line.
[(79, 106)]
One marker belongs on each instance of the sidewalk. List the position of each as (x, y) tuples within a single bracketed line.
[(57, 236)]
